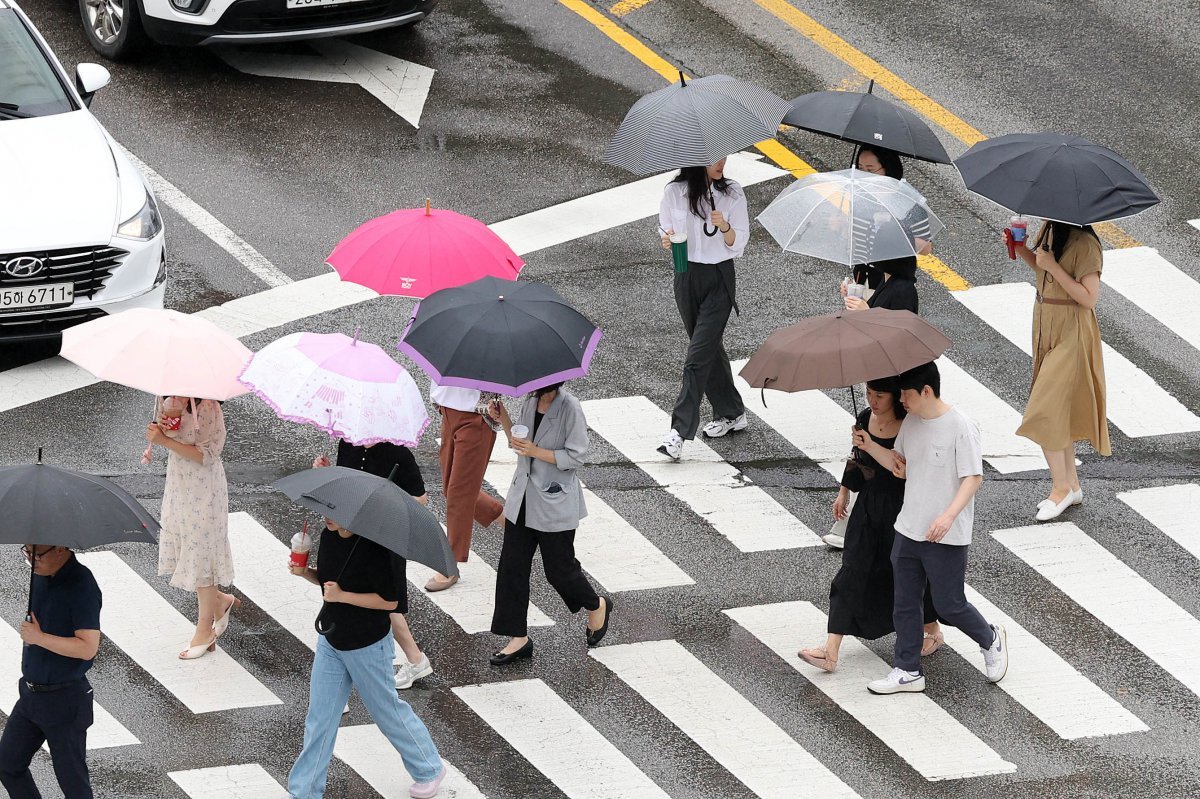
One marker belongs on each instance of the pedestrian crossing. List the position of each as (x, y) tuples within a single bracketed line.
[(247, 781), (1172, 509), (366, 750)]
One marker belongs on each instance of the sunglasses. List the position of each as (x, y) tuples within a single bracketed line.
[(33, 554)]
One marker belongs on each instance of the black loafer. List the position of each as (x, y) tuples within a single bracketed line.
[(595, 636), (503, 659)]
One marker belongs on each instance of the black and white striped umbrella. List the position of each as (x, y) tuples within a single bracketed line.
[(694, 123)]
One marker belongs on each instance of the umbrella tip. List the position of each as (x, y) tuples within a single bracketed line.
[(871, 86), (357, 328), (682, 79), (427, 207), (501, 297), (39, 454)]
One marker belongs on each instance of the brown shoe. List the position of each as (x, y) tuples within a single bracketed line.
[(440, 583), (819, 658)]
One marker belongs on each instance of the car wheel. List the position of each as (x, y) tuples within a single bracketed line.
[(114, 27)]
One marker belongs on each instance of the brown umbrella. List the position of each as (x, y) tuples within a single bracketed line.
[(844, 349)]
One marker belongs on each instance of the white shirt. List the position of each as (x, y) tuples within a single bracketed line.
[(704, 249), (454, 398), (939, 453)]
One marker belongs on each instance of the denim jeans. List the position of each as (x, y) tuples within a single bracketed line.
[(368, 669)]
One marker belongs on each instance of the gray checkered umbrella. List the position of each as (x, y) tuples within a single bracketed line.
[(694, 123)]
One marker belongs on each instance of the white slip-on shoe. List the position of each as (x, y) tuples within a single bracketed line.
[(898, 681), (995, 657), (1048, 510), (427, 790), (408, 673), (1077, 497), (672, 445), (719, 427), (834, 540)]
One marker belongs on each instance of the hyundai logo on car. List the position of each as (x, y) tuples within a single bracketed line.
[(24, 266)]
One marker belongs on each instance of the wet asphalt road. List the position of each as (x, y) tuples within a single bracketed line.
[(526, 94)]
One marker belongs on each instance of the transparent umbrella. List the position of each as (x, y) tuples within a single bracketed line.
[(851, 217)]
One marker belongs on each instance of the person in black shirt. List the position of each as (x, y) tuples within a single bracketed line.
[(394, 462), (361, 583), (55, 698)]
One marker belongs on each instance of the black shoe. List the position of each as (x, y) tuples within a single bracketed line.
[(595, 636), (503, 659)]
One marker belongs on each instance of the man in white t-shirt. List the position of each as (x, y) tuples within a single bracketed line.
[(938, 455)]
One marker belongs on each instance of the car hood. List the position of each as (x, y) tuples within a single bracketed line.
[(64, 188)]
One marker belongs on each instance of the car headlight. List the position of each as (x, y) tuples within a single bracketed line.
[(145, 224)]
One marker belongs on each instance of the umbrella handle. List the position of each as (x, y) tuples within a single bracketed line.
[(317, 624), (317, 621)]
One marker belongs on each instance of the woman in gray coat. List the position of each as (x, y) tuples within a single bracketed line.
[(543, 508)]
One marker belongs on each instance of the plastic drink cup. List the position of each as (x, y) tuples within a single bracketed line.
[(301, 544), (679, 252), (1018, 226), (520, 431), (856, 290), (172, 415)]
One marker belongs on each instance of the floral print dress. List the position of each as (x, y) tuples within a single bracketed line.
[(194, 544)]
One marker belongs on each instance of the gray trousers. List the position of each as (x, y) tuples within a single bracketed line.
[(944, 568), (704, 295)]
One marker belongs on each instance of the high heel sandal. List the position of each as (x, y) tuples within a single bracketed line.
[(198, 651), (221, 624)]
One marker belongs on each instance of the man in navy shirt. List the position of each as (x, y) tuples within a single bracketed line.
[(55, 704)]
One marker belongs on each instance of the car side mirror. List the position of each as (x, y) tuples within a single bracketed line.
[(89, 79)]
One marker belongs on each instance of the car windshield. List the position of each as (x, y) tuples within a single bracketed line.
[(29, 86)]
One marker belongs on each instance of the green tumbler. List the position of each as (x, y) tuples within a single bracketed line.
[(679, 252)]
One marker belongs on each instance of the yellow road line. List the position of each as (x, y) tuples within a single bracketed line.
[(771, 148), (904, 91), (625, 6)]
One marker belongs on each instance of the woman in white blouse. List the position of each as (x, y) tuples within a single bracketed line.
[(711, 210)]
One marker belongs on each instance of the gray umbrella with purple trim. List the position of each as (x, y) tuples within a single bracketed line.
[(506, 336)]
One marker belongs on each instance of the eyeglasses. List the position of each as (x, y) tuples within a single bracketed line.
[(33, 554), (875, 170)]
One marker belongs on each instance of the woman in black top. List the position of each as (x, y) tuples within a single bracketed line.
[(396, 463), (896, 292)]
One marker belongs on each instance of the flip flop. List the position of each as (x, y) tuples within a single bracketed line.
[(822, 663), (938, 640)]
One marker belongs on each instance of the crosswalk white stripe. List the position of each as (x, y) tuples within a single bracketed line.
[(1115, 594), (366, 750), (152, 633), (721, 721), (105, 732), (248, 781), (560, 743), (1136, 404), (1194, 223), (1003, 449), (1045, 684), (1172, 509), (610, 548), (943, 750), (1156, 286), (745, 514)]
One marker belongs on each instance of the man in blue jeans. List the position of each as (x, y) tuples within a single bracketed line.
[(938, 455), (360, 583)]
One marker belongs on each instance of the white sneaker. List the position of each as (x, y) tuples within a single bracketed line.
[(834, 540), (898, 681), (1077, 497), (672, 445), (995, 657), (719, 427), (427, 790), (1048, 510), (408, 673)]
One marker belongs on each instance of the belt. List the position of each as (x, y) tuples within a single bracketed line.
[(1054, 301), (40, 688)]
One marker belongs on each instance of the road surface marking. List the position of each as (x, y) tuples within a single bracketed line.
[(105, 732), (1136, 404), (1158, 287), (625, 6), (945, 749), (249, 781), (366, 750), (716, 491), (152, 633), (721, 721), (1172, 509), (612, 551), (1114, 593), (560, 743), (1045, 684), (1194, 223)]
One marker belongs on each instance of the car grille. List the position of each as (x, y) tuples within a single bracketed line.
[(273, 16), (87, 267), (18, 326)]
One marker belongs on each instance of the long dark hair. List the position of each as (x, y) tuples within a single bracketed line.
[(698, 186), (889, 385), (1060, 234), (893, 167)]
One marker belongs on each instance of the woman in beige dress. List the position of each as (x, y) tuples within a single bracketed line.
[(1067, 399), (194, 544)]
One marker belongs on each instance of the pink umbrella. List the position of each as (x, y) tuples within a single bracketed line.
[(346, 387), (414, 252)]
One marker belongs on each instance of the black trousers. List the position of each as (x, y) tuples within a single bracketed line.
[(61, 719), (704, 295), (563, 572)]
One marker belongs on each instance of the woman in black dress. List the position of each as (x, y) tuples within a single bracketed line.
[(860, 598), (896, 292)]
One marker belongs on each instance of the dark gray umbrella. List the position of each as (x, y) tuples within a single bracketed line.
[(863, 118), (1055, 176), (49, 506), (506, 336), (694, 123)]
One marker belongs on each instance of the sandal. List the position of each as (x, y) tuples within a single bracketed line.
[(221, 624), (937, 640), (199, 651), (822, 661)]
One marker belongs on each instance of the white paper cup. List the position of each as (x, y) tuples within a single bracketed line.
[(520, 431)]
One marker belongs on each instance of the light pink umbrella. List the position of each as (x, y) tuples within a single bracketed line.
[(414, 252), (346, 387)]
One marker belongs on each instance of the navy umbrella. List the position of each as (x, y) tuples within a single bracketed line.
[(1055, 176)]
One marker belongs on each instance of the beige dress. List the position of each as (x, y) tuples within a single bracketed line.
[(1067, 400), (194, 544)]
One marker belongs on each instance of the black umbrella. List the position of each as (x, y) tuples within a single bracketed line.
[(51, 506), (375, 509), (863, 118), (1057, 177), (506, 336), (694, 123)]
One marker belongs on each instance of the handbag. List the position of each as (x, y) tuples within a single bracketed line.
[(839, 525)]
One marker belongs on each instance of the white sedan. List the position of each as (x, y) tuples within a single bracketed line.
[(80, 234)]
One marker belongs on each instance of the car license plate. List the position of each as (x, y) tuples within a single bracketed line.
[(12, 298), (293, 4)]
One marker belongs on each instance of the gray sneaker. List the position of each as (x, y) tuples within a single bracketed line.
[(995, 657), (898, 681), (719, 427), (408, 673)]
